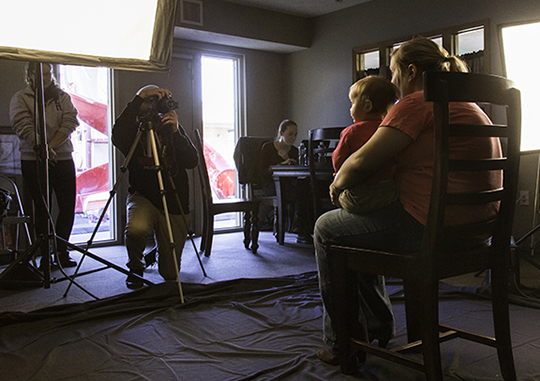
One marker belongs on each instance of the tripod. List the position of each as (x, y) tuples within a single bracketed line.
[(147, 126)]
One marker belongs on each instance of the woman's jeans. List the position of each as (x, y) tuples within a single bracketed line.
[(390, 228), (62, 182)]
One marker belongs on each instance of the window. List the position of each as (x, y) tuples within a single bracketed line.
[(518, 55), (221, 100), (467, 41), (89, 91)]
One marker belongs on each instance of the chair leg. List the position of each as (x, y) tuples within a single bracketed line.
[(431, 350), (247, 229), (343, 282), (204, 237), (255, 231), (276, 224), (209, 233), (413, 310), (501, 321)]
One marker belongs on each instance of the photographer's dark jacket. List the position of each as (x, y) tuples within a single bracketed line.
[(180, 154)]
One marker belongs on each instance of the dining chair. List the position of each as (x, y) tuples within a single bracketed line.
[(213, 207), (15, 215), (246, 154), (321, 143), (421, 272)]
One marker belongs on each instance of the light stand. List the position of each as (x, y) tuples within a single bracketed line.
[(518, 253), (47, 245), (43, 166)]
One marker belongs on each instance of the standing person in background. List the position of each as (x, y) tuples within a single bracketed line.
[(371, 98), (61, 121)]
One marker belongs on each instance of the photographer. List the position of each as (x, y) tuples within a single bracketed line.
[(145, 214)]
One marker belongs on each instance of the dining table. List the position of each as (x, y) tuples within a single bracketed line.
[(300, 172)]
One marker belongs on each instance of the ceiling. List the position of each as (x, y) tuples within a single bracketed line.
[(305, 8)]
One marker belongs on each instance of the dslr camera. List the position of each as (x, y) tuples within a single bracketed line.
[(164, 105)]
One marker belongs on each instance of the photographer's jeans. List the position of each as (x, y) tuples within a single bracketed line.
[(143, 220), (389, 228)]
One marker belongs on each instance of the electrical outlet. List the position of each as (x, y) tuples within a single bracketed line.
[(524, 197)]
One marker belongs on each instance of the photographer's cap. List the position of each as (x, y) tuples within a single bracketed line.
[(147, 87)]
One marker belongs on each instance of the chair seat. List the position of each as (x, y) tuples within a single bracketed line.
[(15, 220), (227, 205), (395, 264)]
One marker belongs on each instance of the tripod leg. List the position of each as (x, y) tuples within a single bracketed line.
[(190, 233), (112, 193), (22, 258), (152, 139)]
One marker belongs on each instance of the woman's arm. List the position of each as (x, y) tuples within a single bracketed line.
[(22, 118), (386, 143)]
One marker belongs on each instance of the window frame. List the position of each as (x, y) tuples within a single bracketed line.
[(449, 38)]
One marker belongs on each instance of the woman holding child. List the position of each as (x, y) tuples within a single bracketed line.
[(406, 136)]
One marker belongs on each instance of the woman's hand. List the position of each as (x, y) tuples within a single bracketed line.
[(289, 161), (334, 195), (52, 157)]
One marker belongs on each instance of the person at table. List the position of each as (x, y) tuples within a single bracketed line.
[(279, 151), (371, 98), (405, 134), (282, 151)]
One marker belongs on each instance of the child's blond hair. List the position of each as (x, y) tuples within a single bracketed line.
[(380, 91)]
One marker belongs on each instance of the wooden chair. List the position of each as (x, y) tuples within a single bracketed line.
[(213, 207), (16, 215), (422, 272), (246, 154), (321, 143)]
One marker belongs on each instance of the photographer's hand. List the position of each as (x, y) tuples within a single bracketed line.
[(170, 118)]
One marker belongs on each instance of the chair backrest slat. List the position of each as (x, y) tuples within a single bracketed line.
[(477, 165), (202, 170), (499, 131), (442, 88), (477, 198)]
